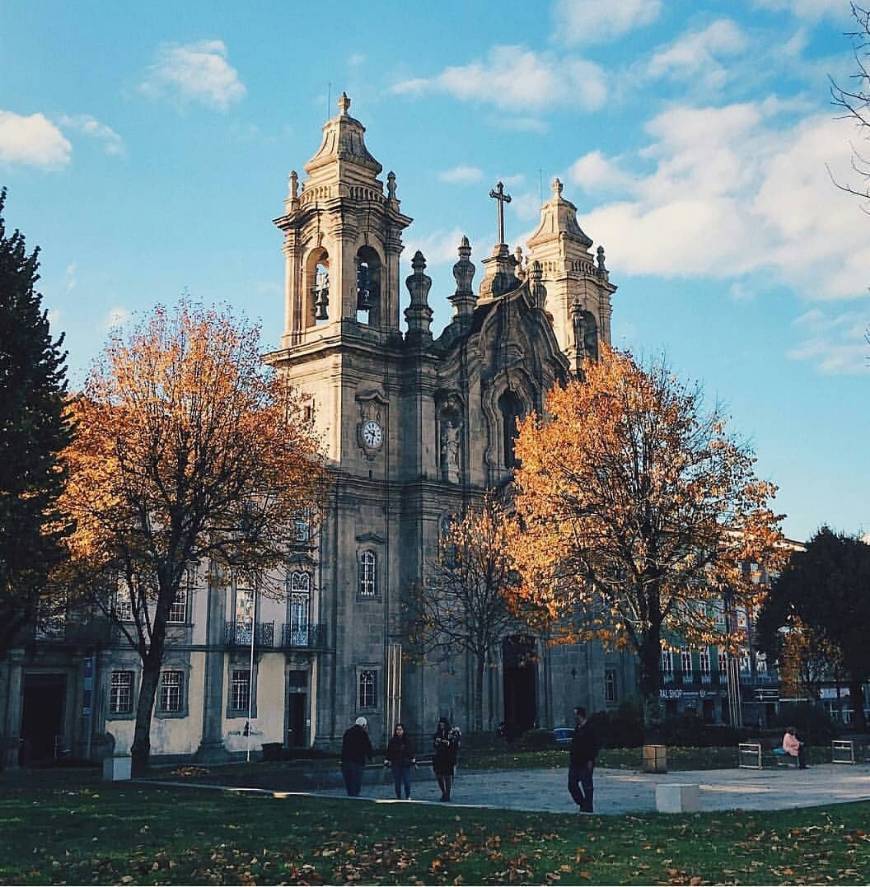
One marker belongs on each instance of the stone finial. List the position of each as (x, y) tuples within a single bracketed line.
[(391, 185), (602, 270), (418, 314), (520, 263), (293, 183), (536, 285), (557, 187), (464, 299), (343, 104)]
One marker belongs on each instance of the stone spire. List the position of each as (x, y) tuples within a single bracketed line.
[(464, 299), (418, 314), (536, 286)]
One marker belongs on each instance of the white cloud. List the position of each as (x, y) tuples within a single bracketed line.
[(592, 21), (113, 144), (517, 79), (738, 190), (438, 247), (195, 72), (594, 172), (32, 141), (116, 316), (805, 9), (461, 175), (356, 59), (696, 54), (834, 342), (70, 277)]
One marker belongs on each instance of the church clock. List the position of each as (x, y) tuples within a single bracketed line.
[(372, 435)]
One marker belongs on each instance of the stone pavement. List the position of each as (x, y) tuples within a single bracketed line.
[(626, 791)]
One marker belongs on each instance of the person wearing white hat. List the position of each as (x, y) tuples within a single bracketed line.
[(356, 749)]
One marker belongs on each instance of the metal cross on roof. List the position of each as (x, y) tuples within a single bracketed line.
[(498, 194)]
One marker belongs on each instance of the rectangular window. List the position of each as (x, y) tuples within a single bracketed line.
[(240, 689), (123, 603), (302, 527), (761, 663), (704, 661), (667, 663), (686, 661), (723, 662), (368, 574), (610, 685), (745, 666), (368, 689), (178, 610), (245, 611), (172, 692), (121, 693)]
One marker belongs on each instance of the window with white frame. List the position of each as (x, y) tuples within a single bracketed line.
[(368, 574), (741, 617), (686, 661), (123, 603), (301, 527), (368, 688), (610, 685), (300, 606), (761, 663), (246, 605), (240, 689), (667, 663), (172, 692), (720, 616), (704, 661), (723, 662), (745, 665), (178, 610), (121, 693)]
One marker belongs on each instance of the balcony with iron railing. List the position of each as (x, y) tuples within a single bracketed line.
[(238, 634), (303, 637)]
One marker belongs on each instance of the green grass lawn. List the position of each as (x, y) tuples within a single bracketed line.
[(102, 834)]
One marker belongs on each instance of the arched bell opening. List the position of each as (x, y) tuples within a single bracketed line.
[(317, 287), (368, 286), (511, 409)]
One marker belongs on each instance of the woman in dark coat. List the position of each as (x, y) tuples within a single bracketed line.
[(400, 758), (445, 747)]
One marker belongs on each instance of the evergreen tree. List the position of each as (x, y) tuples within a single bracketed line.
[(33, 430)]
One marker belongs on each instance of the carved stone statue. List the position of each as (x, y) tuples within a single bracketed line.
[(450, 451)]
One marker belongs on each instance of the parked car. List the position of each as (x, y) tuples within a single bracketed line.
[(562, 735)]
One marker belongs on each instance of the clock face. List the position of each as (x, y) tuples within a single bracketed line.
[(372, 435)]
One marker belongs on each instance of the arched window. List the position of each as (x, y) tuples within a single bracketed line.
[(368, 574), (368, 285), (590, 335), (300, 608), (317, 285), (511, 409)]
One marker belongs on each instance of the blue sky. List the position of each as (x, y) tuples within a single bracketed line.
[(146, 149)]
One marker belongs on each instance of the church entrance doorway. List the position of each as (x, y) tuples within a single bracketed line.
[(43, 698), (520, 675), (297, 709)]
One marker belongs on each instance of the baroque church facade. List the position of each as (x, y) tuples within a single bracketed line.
[(416, 428)]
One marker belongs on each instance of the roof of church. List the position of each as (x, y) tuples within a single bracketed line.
[(343, 139), (559, 215)]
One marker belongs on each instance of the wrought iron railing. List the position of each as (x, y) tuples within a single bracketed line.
[(303, 637), (238, 634)]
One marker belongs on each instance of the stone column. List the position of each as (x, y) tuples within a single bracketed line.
[(12, 715), (211, 748)]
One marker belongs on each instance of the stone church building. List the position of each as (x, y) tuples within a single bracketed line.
[(415, 428)]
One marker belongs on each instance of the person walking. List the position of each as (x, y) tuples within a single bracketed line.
[(445, 747), (356, 749), (400, 758), (584, 750)]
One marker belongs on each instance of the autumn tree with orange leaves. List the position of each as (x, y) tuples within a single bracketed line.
[(635, 508), (188, 450)]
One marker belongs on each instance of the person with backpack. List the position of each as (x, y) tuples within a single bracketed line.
[(400, 757), (584, 750), (445, 748)]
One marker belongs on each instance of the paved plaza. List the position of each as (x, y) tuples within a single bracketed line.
[(623, 791)]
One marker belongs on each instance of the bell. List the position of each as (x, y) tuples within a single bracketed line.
[(363, 292), (321, 302)]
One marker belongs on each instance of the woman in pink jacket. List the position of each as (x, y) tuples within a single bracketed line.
[(791, 745)]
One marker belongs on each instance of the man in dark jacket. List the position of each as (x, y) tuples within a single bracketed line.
[(584, 749), (356, 749)]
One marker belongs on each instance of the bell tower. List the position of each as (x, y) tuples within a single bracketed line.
[(578, 286), (342, 241)]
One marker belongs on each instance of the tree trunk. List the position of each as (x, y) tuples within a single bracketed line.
[(856, 693), (650, 663), (141, 749), (477, 690)]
